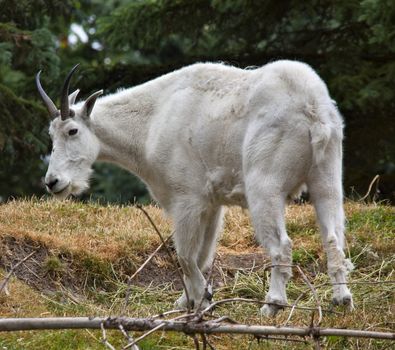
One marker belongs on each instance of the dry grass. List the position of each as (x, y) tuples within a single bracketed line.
[(113, 231), (107, 232), (113, 236), (22, 302)]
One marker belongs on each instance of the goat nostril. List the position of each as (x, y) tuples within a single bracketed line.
[(52, 183)]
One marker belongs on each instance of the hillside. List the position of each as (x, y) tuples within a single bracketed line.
[(85, 252)]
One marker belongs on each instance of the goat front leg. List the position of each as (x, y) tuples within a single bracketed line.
[(195, 284), (190, 224)]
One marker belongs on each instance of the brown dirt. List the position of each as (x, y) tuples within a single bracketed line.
[(33, 271), (72, 277), (160, 271)]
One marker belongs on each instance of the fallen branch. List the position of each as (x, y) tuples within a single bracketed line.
[(203, 327)]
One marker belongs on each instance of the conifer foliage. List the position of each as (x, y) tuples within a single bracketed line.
[(122, 43)]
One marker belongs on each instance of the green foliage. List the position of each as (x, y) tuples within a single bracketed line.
[(43, 51), (350, 43), (26, 45), (197, 27), (33, 14), (23, 138), (53, 265), (5, 54)]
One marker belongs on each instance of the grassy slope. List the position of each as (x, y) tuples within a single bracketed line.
[(89, 249)]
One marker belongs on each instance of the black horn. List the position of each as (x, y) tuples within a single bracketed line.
[(53, 111), (65, 111)]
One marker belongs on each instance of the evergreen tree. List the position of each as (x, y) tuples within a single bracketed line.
[(350, 44)]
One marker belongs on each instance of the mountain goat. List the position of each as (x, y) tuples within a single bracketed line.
[(208, 136)]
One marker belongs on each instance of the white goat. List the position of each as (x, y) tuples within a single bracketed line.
[(210, 135)]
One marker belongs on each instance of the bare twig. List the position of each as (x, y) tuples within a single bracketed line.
[(317, 344), (128, 337), (370, 188), (5, 288), (355, 283), (133, 343), (128, 290), (104, 339), (150, 257), (206, 343), (207, 292), (313, 290), (125, 334), (293, 307), (4, 282), (166, 313), (168, 252), (285, 338), (159, 326), (195, 341), (224, 319), (260, 302)]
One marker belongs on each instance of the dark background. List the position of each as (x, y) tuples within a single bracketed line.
[(350, 43)]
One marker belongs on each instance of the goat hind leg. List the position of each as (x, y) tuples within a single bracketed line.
[(328, 204), (267, 211)]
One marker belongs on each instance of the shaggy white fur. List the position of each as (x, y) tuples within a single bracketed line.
[(211, 135)]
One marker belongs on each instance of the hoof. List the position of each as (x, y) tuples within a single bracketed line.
[(208, 293), (182, 303), (345, 300), (205, 303), (271, 310)]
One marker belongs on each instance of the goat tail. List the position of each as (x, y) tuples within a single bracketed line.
[(326, 124), (320, 135)]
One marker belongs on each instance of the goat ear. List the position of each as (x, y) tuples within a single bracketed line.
[(73, 96), (90, 103)]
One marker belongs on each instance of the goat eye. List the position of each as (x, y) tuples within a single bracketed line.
[(72, 132)]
